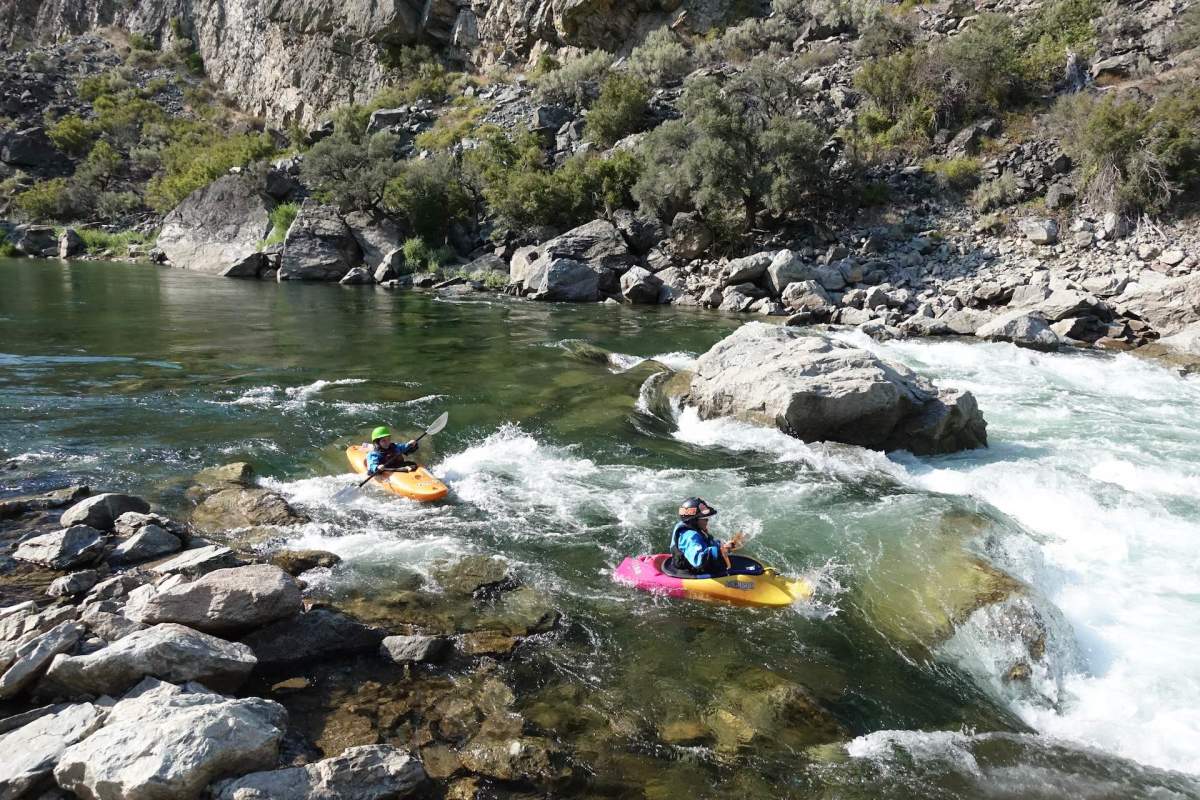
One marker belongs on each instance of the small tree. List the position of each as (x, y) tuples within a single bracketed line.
[(430, 195), (660, 59), (352, 176), (619, 111)]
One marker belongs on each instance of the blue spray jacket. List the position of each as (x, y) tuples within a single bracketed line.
[(378, 457), (702, 552)]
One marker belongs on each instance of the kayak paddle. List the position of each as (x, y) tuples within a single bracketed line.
[(435, 427)]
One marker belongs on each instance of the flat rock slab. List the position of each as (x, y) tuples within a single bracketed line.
[(102, 510), (369, 772), (59, 498), (167, 651), (223, 601), (166, 742), (199, 561), (31, 751), (150, 541), (318, 633), (33, 656), (66, 549)]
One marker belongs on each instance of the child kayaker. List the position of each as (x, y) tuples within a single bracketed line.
[(692, 548), (386, 454)]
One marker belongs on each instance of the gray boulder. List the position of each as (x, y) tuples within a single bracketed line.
[(108, 626), (787, 267), (359, 276), (368, 772), (318, 633), (32, 750), (101, 511), (31, 658), (807, 296), (223, 601), (377, 236), (199, 561), (66, 549), (217, 226), (641, 286), (1022, 328), (250, 265), (413, 649), (238, 507), (31, 148), (818, 389), (1039, 231), (690, 237), (150, 541), (748, 268), (386, 118), (641, 232), (167, 742), (69, 244), (167, 651), (566, 281), (319, 246), (1168, 306), (73, 584), (597, 245), (1064, 303), (36, 241)]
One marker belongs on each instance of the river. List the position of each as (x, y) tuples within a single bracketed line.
[(561, 459)]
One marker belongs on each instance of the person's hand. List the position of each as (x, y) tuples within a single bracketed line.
[(413, 445), (737, 541)]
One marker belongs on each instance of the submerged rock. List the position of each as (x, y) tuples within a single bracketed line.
[(166, 742), (223, 601), (297, 562), (759, 705), (818, 389), (59, 498), (318, 633), (413, 649), (472, 574), (371, 772), (167, 651)]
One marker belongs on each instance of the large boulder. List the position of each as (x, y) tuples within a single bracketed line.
[(150, 541), (167, 651), (819, 389), (564, 280), (217, 226), (32, 750), (748, 269), (1022, 328), (199, 561), (31, 148), (376, 235), (641, 286), (597, 245), (66, 549), (368, 772), (224, 601), (167, 742), (690, 237), (36, 241), (319, 246), (1168, 306), (31, 658), (101, 511), (307, 637), (238, 507), (787, 267)]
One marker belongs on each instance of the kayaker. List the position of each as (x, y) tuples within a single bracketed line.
[(386, 454), (692, 548)]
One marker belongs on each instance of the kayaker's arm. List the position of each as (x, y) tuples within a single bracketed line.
[(694, 549)]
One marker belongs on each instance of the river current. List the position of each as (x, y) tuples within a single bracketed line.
[(562, 458)]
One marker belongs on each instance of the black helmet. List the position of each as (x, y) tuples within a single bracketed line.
[(695, 508)]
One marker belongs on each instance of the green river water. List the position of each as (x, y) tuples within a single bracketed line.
[(563, 460)]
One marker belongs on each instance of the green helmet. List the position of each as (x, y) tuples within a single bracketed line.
[(380, 432)]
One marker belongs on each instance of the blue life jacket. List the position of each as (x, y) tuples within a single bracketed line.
[(380, 457), (694, 550)]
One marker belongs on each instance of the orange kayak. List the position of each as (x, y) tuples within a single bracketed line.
[(416, 485)]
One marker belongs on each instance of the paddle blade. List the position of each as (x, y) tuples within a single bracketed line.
[(345, 495), (438, 424)]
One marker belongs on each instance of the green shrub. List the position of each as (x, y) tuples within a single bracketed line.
[(660, 59), (115, 205), (72, 135), (122, 118), (886, 36), (100, 167), (199, 158), (983, 64), (282, 217), (430, 83), (195, 63), (108, 83), (997, 193), (351, 174), (97, 241), (546, 63), (619, 111), (7, 248), (1057, 29), (47, 200), (570, 84), (419, 255), (405, 59), (450, 128), (429, 195), (1186, 34), (138, 41), (959, 173), (1134, 154)]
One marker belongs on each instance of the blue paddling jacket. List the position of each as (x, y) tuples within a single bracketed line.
[(694, 549), (379, 457)]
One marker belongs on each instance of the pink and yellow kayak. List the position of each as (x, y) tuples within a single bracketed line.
[(752, 584), (418, 484)]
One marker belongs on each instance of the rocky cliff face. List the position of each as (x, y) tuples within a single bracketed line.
[(293, 60)]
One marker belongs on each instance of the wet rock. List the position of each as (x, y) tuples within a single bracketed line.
[(373, 772), (59, 498), (73, 584), (487, 643), (66, 549), (237, 473), (165, 742), (640, 286), (168, 651), (319, 246), (238, 507), (101, 511), (684, 733), (224, 601), (414, 649), (358, 276), (32, 750), (1022, 328), (296, 562), (31, 658), (517, 758), (563, 280), (199, 561), (216, 226), (149, 542), (471, 575), (819, 389), (758, 705), (318, 633)]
